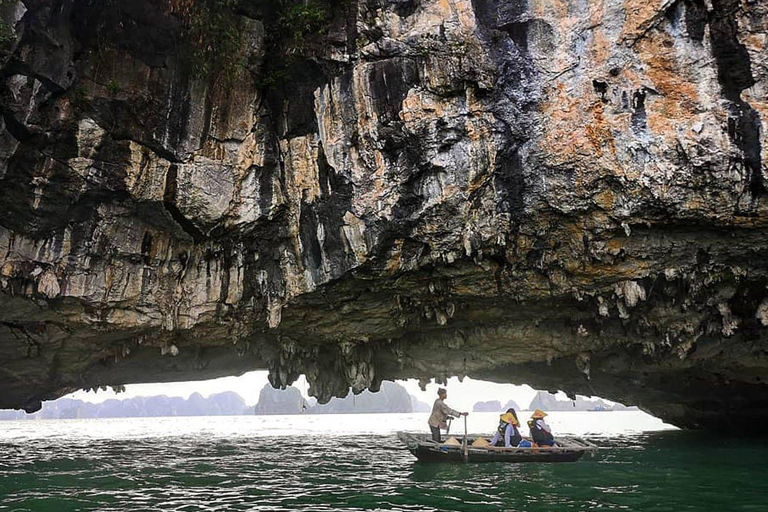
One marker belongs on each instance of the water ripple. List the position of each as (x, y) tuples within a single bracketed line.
[(211, 469)]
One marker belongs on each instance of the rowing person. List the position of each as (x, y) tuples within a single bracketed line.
[(440, 413), (541, 433), (507, 431)]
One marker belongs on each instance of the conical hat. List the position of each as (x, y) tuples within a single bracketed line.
[(509, 418), (480, 442), (538, 414), (452, 441)]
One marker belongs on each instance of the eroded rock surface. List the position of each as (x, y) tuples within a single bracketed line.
[(566, 194)]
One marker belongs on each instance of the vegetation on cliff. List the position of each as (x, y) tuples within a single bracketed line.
[(214, 29)]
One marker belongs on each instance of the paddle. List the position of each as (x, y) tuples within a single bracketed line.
[(466, 450)]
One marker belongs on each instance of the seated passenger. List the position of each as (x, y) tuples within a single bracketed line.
[(541, 433), (507, 430)]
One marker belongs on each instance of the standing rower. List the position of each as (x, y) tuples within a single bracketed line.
[(440, 413)]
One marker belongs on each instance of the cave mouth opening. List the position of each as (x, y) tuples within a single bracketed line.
[(400, 404)]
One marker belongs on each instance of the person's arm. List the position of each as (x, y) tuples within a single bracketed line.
[(544, 426), (495, 439), (450, 412), (507, 434)]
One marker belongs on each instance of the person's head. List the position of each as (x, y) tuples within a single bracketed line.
[(538, 414), (442, 393), (510, 418), (512, 411)]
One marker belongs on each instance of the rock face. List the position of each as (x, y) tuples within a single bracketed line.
[(566, 194)]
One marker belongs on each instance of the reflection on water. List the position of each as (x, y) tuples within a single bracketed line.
[(229, 464)]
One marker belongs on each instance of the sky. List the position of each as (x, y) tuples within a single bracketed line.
[(461, 395)]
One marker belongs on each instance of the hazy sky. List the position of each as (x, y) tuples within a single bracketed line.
[(461, 395)]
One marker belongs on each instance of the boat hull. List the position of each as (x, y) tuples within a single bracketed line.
[(425, 450), (430, 454)]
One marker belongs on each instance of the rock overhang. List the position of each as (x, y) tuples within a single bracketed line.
[(562, 197)]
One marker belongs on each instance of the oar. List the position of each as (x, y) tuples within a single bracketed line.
[(466, 450)]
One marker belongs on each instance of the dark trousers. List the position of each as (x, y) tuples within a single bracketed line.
[(435, 433)]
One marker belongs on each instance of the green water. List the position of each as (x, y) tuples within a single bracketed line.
[(663, 471)]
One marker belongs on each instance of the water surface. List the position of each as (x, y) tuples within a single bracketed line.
[(354, 462)]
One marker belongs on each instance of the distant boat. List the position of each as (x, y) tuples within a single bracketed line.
[(568, 449)]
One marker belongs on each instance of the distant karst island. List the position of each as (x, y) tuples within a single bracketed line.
[(219, 404), (494, 406), (391, 398), (549, 402)]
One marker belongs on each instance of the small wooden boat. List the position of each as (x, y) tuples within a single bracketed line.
[(567, 449)]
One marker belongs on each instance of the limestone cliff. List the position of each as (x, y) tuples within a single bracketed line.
[(568, 194)]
